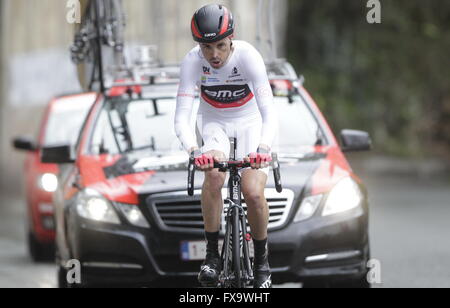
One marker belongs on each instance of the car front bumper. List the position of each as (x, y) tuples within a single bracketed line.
[(335, 246), (41, 211)]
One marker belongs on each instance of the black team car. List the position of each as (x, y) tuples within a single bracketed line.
[(123, 212)]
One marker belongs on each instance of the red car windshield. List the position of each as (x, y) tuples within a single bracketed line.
[(65, 121)]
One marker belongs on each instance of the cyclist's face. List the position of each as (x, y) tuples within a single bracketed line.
[(217, 53)]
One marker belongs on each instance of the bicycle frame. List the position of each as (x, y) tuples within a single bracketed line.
[(235, 214), (241, 272)]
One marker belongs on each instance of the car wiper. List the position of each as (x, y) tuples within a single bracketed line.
[(162, 161), (302, 156), (123, 166)]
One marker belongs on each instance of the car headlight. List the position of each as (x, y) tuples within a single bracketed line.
[(344, 196), (92, 205), (308, 207), (133, 214), (48, 182)]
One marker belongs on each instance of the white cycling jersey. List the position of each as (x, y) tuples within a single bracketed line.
[(233, 97)]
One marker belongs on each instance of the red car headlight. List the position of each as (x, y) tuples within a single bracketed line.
[(48, 182)]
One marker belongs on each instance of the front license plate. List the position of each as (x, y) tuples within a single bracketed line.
[(196, 250)]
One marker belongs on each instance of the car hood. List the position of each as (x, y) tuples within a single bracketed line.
[(125, 181), (315, 172)]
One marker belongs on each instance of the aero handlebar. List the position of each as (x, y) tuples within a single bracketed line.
[(228, 165)]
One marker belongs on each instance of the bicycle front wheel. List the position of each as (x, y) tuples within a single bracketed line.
[(236, 248)]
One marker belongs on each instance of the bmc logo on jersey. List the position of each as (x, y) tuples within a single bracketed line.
[(226, 96)]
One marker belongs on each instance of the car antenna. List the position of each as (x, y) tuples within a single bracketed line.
[(272, 36), (271, 40), (258, 26)]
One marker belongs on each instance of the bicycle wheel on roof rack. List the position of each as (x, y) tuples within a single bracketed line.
[(104, 33)]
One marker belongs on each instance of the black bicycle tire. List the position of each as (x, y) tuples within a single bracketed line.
[(236, 249), (226, 258), (246, 263)]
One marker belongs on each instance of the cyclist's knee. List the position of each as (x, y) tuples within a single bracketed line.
[(214, 179), (254, 198), (253, 184)]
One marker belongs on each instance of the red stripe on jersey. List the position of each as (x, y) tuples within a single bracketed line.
[(238, 103)]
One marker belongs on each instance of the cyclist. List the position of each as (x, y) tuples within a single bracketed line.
[(235, 101)]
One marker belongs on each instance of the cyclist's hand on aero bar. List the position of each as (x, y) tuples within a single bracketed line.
[(260, 159), (205, 161)]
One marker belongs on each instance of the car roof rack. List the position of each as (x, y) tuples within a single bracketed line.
[(281, 69), (137, 76), (147, 72)]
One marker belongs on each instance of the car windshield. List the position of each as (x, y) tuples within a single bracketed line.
[(147, 125), (131, 125), (298, 128), (65, 121)]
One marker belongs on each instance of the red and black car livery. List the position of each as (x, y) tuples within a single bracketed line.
[(123, 211)]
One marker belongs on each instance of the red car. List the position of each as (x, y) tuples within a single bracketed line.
[(61, 123)]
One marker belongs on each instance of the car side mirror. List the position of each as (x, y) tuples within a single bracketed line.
[(61, 154), (355, 140), (25, 143)]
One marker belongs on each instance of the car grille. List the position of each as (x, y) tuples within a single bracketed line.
[(176, 211)]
